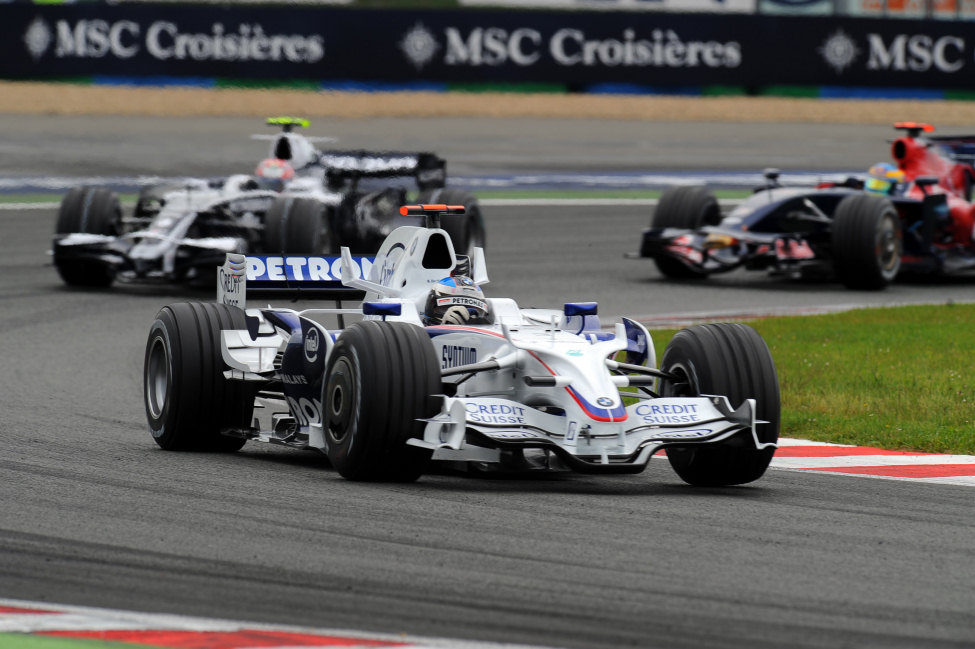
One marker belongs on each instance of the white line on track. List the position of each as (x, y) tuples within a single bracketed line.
[(18, 207)]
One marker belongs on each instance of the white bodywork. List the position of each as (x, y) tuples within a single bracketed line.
[(169, 229), (532, 378)]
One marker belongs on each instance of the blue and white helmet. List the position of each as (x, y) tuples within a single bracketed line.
[(456, 300)]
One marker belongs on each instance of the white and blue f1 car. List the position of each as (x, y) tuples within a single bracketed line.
[(299, 200), (526, 389)]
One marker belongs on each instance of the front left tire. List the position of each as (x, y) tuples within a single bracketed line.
[(867, 242), (188, 402), (731, 360)]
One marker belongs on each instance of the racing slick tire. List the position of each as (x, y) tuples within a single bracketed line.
[(731, 360), (687, 208), (867, 242), (297, 226), (466, 230), (188, 401), (87, 210), (377, 389)]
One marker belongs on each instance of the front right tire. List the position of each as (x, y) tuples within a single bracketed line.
[(378, 387), (88, 210)]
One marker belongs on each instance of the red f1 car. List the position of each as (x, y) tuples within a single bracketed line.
[(916, 216)]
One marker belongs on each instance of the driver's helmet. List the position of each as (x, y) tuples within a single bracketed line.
[(883, 178), (456, 300), (273, 173)]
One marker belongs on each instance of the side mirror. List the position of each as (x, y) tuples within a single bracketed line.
[(925, 181), (381, 309)]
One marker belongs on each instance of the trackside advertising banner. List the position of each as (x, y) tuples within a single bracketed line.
[(578, 48)]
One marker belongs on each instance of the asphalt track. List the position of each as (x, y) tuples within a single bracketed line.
[(58, 145), (93, 513)]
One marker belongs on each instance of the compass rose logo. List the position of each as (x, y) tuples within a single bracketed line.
[(839, 51), (37, 38), (419, 45)]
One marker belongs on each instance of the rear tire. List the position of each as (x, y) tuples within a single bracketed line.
[(297, 226), (686, 208), (187, 399), (378, 385), (88, 210), (867, 242), (731, 360), (467, 230)]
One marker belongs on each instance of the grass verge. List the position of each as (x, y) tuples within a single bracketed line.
[(895, 378), (27, 641)]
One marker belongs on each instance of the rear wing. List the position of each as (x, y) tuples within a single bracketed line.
[(429, 169), (960, 148), (291, 276)]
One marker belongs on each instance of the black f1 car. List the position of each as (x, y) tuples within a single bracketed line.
[(921, 224), (304, 201)]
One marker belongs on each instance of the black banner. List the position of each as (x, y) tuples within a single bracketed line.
[(577, 48)]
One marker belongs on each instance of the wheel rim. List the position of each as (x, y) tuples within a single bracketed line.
[(683, 384), (888, 246), (339, 403), (157, 378)]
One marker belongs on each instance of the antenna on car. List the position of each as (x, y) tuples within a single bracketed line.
[(913, 129), (288, 123), (432, 212)]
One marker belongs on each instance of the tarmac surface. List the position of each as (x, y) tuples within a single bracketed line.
[(171, 146), (92, 513)]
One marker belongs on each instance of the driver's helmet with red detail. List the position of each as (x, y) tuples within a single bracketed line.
[(884, 178), (456, 300), (274, 173)]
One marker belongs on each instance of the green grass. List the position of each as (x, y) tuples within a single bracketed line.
[(896, 378), (25, 641)]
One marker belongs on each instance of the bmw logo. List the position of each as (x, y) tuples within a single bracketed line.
[(605, 402)]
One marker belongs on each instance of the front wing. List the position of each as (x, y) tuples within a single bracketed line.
[(170, 261), (478, 429), (712, 250)]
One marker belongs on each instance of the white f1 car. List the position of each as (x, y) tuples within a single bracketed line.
[(301, 200), (527, 389)]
